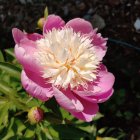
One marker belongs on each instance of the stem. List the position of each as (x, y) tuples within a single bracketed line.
[(121, 43)]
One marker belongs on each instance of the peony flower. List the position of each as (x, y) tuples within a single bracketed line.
[(65, 62)]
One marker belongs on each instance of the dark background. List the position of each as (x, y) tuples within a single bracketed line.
[(115, 20)]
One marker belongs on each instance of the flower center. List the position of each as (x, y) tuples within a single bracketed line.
[(68, 58)]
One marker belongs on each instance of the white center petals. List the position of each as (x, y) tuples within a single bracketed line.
[(68, 58)]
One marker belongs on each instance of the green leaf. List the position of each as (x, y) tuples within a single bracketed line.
[(20, 127), (46, 12), (13, 96), (106, 138), (102, 130), (4, 113), (11, 69), (88, 128), (29, 133), (10, 52), (54, 107), (98, 116), (3, 100), (4, 88), (69, 131), (9, 135), (52, 118), (66, 115), (53, 132), (128, 115), (9, 131), (1, 57), (41, 134)]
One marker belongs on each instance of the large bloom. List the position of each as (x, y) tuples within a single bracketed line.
[(65, 62)]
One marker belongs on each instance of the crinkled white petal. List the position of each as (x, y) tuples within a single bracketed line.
[(68, 58)]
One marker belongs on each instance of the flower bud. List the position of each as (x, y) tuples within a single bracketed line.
[(40, 23), (35, 115)]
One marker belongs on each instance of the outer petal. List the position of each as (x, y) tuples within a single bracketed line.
[(26, 58), (34, 89), (98, 98), (34, 36), (103, 97), (90, 110), (80, 25), (99, 44), (18, 35), (53, 21), (36, 77), (25, 48), (103, 84), (67, 100), (85, 27)]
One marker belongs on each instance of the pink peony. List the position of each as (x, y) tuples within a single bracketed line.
[(65, 62)]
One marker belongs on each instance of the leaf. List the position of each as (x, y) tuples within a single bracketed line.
[(46, 133), (1, 57), (29, 133), (66, 114), (52, 118), (128, 115), (4, 113), (10, 52), (69, 131), (102, 130), (53, 133), (3, 100), (54, 107), (20, 127), (42, 133), (98, 116), (4, 88), (11, 69), (105, 138), (46, 12), (9, 131), (88, 128), (9, 135), (13, 96)]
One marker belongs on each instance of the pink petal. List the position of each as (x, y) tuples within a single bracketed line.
[(98, 98), (53, 21), (34, 89), (99, 44), (67, 100), (105, 82), (101, 85), (90, 110), (104, 96), (18, 35), (80, 25), (34, 36), (28, 45), (36, 77), (24, 52)]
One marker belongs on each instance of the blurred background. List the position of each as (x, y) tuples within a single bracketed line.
[(118, 20)]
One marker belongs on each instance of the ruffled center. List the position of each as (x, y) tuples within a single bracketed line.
[(68, 58)]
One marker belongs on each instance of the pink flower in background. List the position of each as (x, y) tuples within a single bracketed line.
[(65, 62)]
